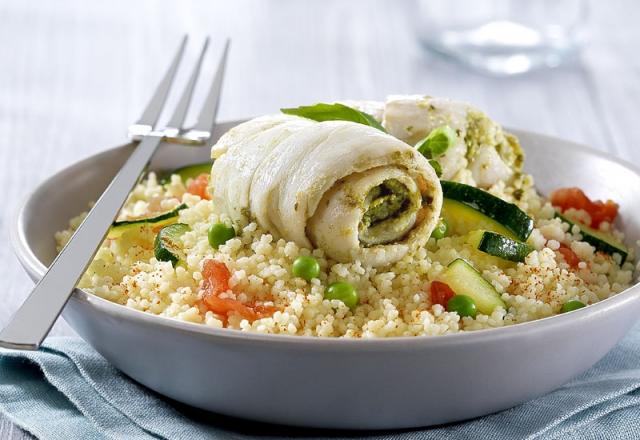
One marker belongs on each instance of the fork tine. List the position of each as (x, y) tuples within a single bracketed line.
[(177, 119), (154, 108), (207, 117)]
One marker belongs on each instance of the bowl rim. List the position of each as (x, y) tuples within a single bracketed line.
[(36, 269)]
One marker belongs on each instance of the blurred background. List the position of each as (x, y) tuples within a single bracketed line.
[(75, 74)]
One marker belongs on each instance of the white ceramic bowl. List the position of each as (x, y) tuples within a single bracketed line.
[(341, 383)]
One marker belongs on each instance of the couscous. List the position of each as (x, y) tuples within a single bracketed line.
[(437, 230)]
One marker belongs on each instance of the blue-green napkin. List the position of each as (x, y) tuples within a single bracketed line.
[(66, 391)]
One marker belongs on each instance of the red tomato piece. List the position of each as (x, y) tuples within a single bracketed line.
[(200, 186), (227, 306), (603, 211), (565, 198), (441, 293), (263, 311), (216, 277), (216, 281), (569, 256)]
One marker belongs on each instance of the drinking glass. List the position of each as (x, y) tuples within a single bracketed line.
[(503, 37)]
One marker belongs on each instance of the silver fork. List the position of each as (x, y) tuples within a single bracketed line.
[(34, 319)]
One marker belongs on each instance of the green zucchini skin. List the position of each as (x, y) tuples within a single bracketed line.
[(166, 246), (464, 279), (503, 247), (188, 172), (463, 219), (598, 239), (505, 213), (119, 228), (500, 246)]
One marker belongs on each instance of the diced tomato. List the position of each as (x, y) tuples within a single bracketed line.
[(569, 256), (216, 281), (200, 186), (216, 277), (565, 198), (441, 293), (227, 306), (606, 211), (264, 311)]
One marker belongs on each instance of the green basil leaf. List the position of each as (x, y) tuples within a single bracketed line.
[(333, 112), (438, 142), (436, 167)]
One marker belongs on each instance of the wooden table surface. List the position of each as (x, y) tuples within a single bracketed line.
[(75, 74)]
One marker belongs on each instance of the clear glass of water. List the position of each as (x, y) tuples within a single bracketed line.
[(503, 37)]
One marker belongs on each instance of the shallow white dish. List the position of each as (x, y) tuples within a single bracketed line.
[(341, 383)]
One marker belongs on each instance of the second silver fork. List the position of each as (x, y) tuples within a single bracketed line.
[(32, 322)]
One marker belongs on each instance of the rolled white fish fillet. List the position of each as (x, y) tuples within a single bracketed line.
[(248, 142), (482, 146), (349, 189)]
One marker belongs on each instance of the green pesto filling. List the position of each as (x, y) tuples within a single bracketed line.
[(483, 131), (385, 201), (390, 213)]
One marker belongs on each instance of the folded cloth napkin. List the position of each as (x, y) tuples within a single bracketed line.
[(66, 390)]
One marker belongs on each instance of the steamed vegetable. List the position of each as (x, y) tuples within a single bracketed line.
[(513, 222), (189, 171), (599, 211), (464, 279), (572, 305), (441, 229), (305, 267), (599, 240), (463, 219), (440, 292), (344, 292), (120, 227), (167, 244), (219, 234), (498, 245), (463, 305), (200, 187), (570, 257), (215, 283)]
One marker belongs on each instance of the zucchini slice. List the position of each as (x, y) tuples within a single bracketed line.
[(463, 219), (119, 228), (499, 245), (188, 172), (166, 246), (599, 240), (465, 280), (506, 214)]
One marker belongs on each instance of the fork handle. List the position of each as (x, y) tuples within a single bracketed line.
[(33, 320)]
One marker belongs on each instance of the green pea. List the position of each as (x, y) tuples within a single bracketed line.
[(343, 291), (572, 305), (440, 231), (463, 305), (219, 234), (306, 267)]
